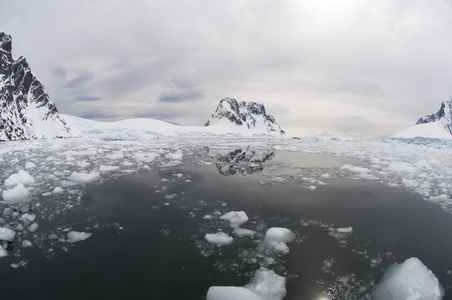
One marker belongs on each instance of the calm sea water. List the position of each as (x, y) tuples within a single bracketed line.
[(155, 246)]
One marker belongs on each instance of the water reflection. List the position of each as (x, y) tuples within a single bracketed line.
[(244, 161)]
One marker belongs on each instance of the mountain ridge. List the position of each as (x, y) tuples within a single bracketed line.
[(26, 111)]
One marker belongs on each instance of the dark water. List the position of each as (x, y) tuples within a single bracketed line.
[(157, 250)]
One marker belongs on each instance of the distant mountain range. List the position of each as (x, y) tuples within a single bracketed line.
[(437, 126), (26, 111)]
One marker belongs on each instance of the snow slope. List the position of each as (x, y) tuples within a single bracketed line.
[(146, 129), (436, 127)]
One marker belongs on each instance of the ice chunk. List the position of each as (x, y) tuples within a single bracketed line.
[(21, 177), (29, 165), (18, 192), (7, 234), (108, 168), (58, 190), (219, 238), (26, 244), (33, 227), (83, 177), (279, 234), (175, 155), (29, 217), (244, 232), (75, 236), (409, 280), (235, 218), (265, 285), (3, 252), (230, 292), (345, 230), (144, 158)]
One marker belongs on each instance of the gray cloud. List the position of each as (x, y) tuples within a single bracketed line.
[(87, 98)]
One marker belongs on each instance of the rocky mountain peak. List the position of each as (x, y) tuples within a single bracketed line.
[(443, 116), (250, 115), (26, 111)]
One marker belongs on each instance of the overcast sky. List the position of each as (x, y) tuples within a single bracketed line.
[(351, 68)]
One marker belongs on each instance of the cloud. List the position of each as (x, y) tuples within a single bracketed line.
[(87, 98), (78, 80)]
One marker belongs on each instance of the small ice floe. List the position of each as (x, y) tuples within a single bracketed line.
[(3, 252), (345, 230), (83, 177), (26, 244), (409, 280), (104, 169), (30, 165), (175, 155), (7, 234), (28, 217), (265, 285), (276, 239), (76, 236), (219, 238), (244, 232), (235, 218), (58, 190), (21, 177), (17, 193), (33, 227)]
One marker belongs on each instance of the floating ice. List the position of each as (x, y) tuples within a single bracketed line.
[(219, 238), (108, 168), (235, 218), (279, 234), (28, 217), (3, 252), (83, 177), (244, 232), (21, 177), (19, 192), (409, 280), (30, 165), (26, 244), (7, 234), (75, 236), (33, 227), (345, 230), (265, 285), (175, 155)]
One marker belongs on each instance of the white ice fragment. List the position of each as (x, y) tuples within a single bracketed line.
[(83, 177), (116, 155), (244, 232), (26, 244), (3, 252), (148, 157), (409, 280), (345, 230), (279, 234), (175, 155), (33, 227), (75, 236), (29, 165), (21, 177), (108, 168), (235, 218), (265, 285), (29, 217), (207, 217), (230, 293), (279, 179), (219, 238), (18, 192), (7, 234), (58, 190)]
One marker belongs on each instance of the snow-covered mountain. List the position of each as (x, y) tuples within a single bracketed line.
[(230, 119), (434, 127), (250, 115), (26, 111)]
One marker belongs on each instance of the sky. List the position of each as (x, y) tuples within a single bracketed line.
[(356, 68)]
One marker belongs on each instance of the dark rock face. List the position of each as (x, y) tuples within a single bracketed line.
[(26, 111), (243, 161), (443, 115), (249, 114)]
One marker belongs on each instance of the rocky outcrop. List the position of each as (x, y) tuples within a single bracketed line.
[(250, 115), (442, 116), (26, 111)]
